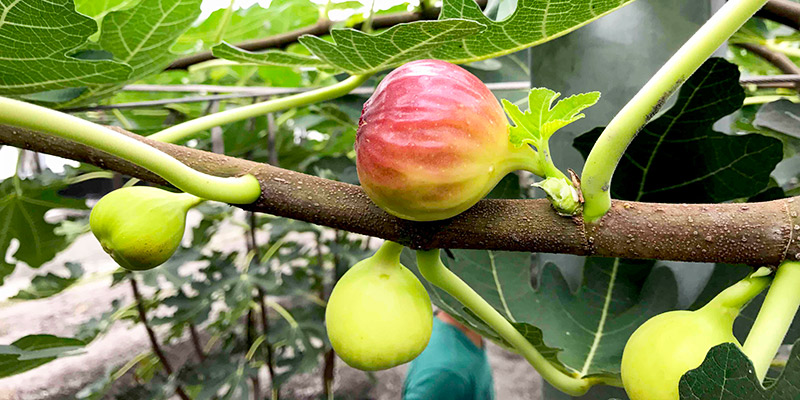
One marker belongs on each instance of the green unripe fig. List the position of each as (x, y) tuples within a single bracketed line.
[(379, 314), (668, 345), (141, 226)]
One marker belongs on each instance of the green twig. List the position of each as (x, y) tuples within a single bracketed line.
[(185, 130), (774, 318), (432, 269), (239, 190), (606, 153)]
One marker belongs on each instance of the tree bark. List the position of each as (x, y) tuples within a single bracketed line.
[(755, 234), (784, 12)]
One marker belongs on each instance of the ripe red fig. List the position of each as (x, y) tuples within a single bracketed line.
[(432, 141)]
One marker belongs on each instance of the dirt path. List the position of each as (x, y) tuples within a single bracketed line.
[(63, 313)]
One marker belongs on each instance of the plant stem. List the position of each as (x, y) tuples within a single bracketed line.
[(609, 148), (239, 190), (185, 130), (152, 336), (774, 318), (251, 337), (198, 349), (432, 269)]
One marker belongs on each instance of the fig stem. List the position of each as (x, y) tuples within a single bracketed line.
[(774, 318), (237, 190), (546, 161), (609, 148), (388, 253), (177, 133), (433, 270), (735, 297)]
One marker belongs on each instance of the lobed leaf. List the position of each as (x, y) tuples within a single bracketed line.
[(543, 119), (360, 53), (712, 167), (727, 373), (141, 37), (532, 22), (269, 57), (38, 39)]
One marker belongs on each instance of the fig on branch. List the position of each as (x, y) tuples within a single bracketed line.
[(141, 226), (379, 314), (432, 141), (668, 345)]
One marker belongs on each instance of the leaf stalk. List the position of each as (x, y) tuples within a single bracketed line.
[(431, 267), (620, 132)]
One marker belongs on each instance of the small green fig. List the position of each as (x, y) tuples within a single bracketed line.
[(668, 345), (379, 314), (140, 226)]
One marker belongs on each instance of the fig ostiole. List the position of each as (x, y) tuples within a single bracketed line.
[(670, 344), (379, 314), (141, 226), (433, 140)]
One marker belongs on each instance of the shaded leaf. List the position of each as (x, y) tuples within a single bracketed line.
[(32, 351), (23, 204), (781, 116), (50, 284), (584, 331), (727, 373), (254, 22), (36, 39), (713, 167)]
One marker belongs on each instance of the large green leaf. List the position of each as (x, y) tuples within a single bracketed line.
[(23, 204), (37, 39), (32, 351), (360, 53), (585, 330), (141, 37), (533, 22), (679, 157), (455, 36), (728, 374)]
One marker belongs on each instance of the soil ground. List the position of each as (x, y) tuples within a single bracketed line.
[(63, 313)]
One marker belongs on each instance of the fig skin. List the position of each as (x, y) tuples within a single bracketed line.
[(667, 346), (379, 314), (432, 141), (141, 226)]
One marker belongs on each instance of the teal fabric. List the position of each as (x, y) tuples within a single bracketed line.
[(450, 368)]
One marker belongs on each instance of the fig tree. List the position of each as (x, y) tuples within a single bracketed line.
[(379, 314), (141, 226), (668, 345), (432, 141)]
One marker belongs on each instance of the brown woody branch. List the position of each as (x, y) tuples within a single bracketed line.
[(756, 234), (784, 12)]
